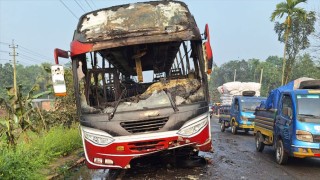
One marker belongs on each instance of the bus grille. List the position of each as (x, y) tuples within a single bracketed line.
[(147, 146), (144, 125)]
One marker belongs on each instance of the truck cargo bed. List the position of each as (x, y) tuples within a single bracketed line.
[(264, 118)]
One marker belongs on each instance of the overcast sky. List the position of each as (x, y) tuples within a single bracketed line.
[(240, 29)]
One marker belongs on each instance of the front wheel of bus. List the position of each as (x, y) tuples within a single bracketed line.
[(259, 142), (233, 128), (222, 127), (281, 155)]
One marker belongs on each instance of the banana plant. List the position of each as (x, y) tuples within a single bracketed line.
[(18, 110)]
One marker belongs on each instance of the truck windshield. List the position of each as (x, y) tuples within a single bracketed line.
[(250, 105), (308, 108)]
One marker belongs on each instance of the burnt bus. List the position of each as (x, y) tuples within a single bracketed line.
[(122, 115)]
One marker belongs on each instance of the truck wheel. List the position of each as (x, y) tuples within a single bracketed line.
[(233, 128), (259, 142), (281, 155), (222, 127), (246, 131)]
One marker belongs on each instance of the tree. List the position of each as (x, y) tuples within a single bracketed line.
[(6, 78), (306, 67), (293, 14), (317, 36)]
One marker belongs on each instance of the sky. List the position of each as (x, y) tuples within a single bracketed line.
[(239, 29)]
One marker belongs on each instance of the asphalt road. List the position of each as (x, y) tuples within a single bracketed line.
[(234, 157)]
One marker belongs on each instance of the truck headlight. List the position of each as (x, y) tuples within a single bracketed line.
[(193, 128), (97, 139), (304, 136)]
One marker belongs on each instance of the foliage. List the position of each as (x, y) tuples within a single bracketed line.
[(297, 39), (294, 32), (6, 78), (250, 70), (65, 109), (29, 158), (18, 113), (22, 115), (27, 76), (316, 36), (306, 67)]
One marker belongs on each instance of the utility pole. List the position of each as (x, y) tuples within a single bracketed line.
[(261, 75), (235, 75), (14, 54)]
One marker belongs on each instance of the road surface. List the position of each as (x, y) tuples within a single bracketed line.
[(234, 157)]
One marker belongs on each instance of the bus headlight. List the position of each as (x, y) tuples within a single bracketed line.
[(304, 136), (97, 139), (193, 128)]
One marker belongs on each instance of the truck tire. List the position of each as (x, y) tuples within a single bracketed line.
[(259, 142), (281, 155), (222, 127), (233, 128), (246, 131)]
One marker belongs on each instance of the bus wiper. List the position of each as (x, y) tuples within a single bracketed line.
[(111, 115), (173, 104)]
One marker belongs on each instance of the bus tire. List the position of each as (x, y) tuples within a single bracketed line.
[(281, 155), (222, 127), (233, 128), (259, 142)]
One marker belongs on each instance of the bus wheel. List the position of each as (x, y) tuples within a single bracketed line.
[(222, 127), (233, 128), (259, 142), (281, 155)]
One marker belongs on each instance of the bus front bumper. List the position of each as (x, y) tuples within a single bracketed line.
[(123, 149)]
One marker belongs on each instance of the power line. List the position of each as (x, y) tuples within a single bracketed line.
[(28, 61), (79, 5), (34, 53), (5, 60), (89, 5), (32, 59), (68, 9), (4, 51), (93, 4), (4, 43)]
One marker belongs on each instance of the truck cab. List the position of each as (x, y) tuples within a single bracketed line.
[(242, 112), (297, 123), (293, 128)]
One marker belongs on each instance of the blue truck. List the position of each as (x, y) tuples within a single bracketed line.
[(289, 120), (241, 113)]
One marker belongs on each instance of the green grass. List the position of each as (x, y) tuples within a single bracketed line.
[(29, 158)]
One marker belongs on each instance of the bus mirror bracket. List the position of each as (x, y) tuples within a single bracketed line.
[(207, 49), (60, 53)]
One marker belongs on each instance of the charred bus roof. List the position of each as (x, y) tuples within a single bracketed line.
[(152, 31), (116, 26)]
